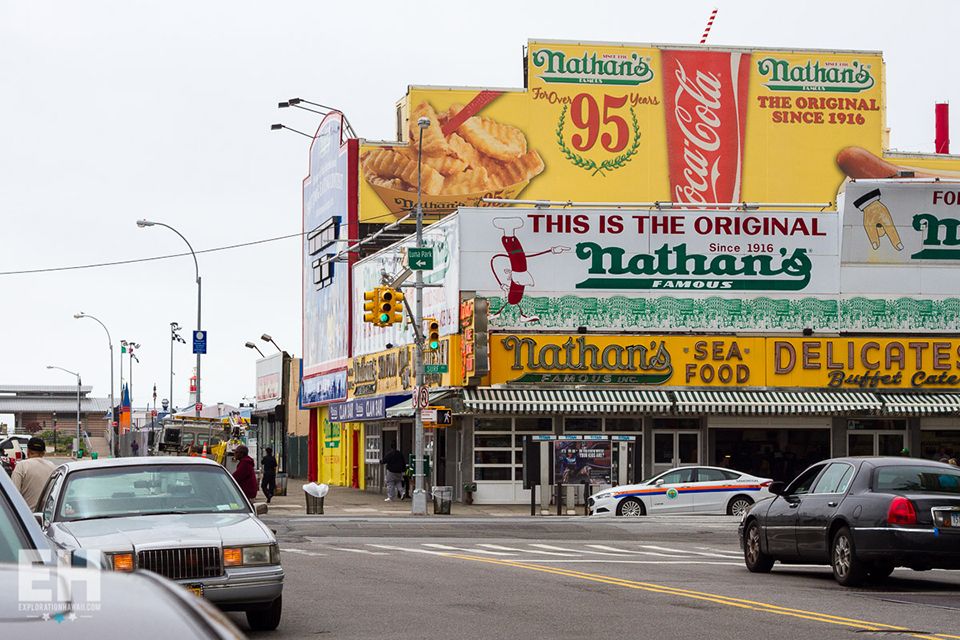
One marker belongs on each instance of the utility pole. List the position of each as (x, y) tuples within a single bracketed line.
[(419, 504)]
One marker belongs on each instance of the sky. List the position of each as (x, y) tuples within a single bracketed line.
[(114, 111)]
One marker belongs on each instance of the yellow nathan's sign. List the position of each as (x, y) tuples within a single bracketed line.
[(726, 361), (635, 123), (626, 360)]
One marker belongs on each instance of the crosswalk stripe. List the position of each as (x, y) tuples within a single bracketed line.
[(598, 553), (466, 550), (696, 553), (548, 553), (372, 553), (303, 552), (392, 548), (630, 551)]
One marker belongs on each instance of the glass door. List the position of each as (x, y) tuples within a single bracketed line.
[(675, 449), (876, 443)]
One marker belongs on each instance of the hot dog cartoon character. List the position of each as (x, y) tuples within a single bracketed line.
[(517, 276)]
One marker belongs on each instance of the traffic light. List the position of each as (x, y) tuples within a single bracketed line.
[(370, 304), (390, 308), (432, 337)]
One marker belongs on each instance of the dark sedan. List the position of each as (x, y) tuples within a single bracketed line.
[(862, 516)]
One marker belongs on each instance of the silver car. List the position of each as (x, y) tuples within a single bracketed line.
[(183, 518)]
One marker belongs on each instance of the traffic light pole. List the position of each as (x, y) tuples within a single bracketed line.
[(419, 504)]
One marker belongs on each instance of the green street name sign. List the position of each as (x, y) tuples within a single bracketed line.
[(436, 368), (420, 259)]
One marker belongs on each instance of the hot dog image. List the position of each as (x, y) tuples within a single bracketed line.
[(517, 277)]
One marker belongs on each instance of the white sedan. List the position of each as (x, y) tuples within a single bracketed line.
[(683, 490)]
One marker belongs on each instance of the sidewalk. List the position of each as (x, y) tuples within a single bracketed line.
[(346, 501)]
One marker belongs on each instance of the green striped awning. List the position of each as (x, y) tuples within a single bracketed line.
[(565, 401), (920, 404), (773, 403)]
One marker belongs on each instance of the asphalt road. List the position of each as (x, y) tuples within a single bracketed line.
[(674, 577)]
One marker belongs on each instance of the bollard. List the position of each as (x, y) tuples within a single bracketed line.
[(533, 500), (586, 498), (571, 501), (559, 498)]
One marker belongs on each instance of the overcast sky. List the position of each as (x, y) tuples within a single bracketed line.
[(113, 111)]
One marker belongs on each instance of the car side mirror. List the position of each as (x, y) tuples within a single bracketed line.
[(260, 508), (38, 516), (659, 482), (777, 488)]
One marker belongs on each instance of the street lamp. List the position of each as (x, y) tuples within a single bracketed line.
[(250, 345), (174, 337), (113, 434), (73, 373), (150, 223), (267, 338), (418, 506), (127, 346)]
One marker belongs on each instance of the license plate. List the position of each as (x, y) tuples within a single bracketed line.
[(950, 519), (955, 519), (196, 589)]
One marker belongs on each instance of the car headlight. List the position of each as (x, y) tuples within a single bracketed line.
[(252, 556)]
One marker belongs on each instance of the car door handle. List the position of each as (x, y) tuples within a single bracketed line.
[(832, 504)]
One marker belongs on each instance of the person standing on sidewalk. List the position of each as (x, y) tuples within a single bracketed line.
[(245, 475), (393, 473), (269, 482), (30, 475)]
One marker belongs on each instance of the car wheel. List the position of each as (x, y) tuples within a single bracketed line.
[(753, 556), (266, 619), (738, 505), (880, 570), (631, 507), (847, 568)]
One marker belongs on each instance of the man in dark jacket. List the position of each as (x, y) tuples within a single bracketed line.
[(393, 473), (245, 475), (269, 467)]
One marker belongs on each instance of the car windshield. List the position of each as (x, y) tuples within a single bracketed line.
[(917, 478), (148, 490)]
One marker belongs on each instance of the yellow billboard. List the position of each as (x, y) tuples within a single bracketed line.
[(725, 361), (638, 123)]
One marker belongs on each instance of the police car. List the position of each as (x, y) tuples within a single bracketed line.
[(683, 490)]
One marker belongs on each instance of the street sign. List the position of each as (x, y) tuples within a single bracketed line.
[(198, 406), (421, 397), (428, 415), (420, 259), (436, 368), (200, 342)]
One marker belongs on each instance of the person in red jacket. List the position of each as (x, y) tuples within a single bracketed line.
[(245, 475)]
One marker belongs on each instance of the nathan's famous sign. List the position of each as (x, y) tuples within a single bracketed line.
[(570, 268), (725, 361), (639, 123)]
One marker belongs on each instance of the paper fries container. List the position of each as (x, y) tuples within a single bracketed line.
[(401, 202)]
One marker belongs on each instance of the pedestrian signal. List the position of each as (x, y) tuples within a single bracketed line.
[(432, 333)]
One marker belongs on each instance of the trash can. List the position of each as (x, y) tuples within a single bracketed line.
[(442, 499), (281, 484), (314, 504)]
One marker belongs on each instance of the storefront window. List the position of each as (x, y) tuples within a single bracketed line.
[(623, 424), (780, 454), (492, 473), (535, 424), (493, 457), (676, 423), (577, 425), (878, 424), (495, 441), (940, 444), (492, 424)]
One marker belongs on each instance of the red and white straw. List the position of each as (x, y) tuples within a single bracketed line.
[(706, 32)]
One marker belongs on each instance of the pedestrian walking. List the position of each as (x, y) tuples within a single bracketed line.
[(135, 448), (393, 473), (31, 475), (268, 465), (245, 475)]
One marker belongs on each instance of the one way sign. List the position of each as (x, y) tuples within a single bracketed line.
[(420, 258)]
